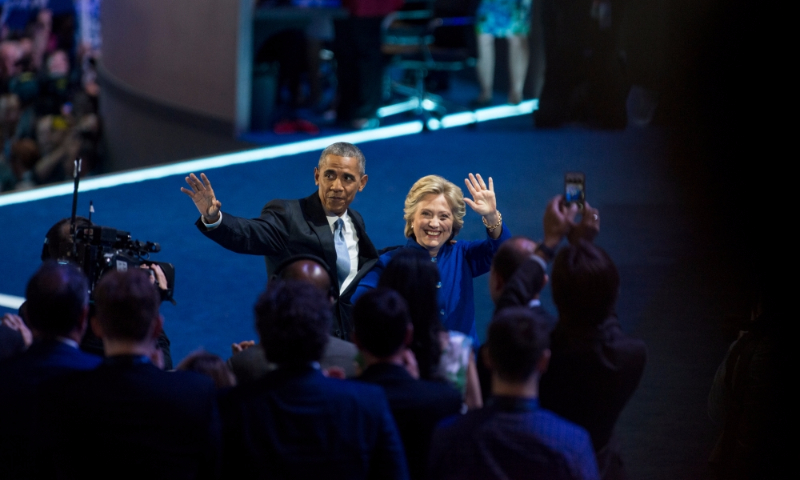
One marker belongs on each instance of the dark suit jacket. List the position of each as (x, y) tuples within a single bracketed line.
[(20, 378), (296, 423), (511, 438), (129, 415), (417, 406), (291, 227), (593, 372), (11, 342), (252, 364)]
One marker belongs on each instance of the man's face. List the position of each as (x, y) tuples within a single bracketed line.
[(339, 179)]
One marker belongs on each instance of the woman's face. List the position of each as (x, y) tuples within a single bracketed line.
[(433, 222)]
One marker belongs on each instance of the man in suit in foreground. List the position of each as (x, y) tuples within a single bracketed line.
[(321, 224), (512, 436), (56, 309), (515, 255), (296, 423), (127, 413), (383, 333), (249, 362)]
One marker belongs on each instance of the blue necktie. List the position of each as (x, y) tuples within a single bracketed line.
[(342, 255)]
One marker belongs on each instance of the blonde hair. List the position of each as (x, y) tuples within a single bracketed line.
[(436, 185)]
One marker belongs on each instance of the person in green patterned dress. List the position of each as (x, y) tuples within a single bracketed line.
[(509, 19)]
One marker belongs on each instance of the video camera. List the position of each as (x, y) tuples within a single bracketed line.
[(97, 250)]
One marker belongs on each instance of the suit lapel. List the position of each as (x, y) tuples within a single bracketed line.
[(318, 222), (366, 251)]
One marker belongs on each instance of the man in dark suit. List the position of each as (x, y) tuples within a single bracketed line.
[(595, 367), (56, 309), (512, 436), (296, 423), (127, 413), (383, 333), (516, 262), (309, 225), (250, 363)]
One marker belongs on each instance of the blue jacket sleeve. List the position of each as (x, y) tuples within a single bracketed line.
[(479, 253), (370, 280)]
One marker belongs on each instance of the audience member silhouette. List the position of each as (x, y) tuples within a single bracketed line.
[(127, 412), (296, 423), (412, 274), (383, 332), (209, 365), (513, 437), (595, 368), (57, 310), (248, 361), (748, 394)]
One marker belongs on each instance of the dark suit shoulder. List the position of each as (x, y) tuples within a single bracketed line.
[(404, 392)]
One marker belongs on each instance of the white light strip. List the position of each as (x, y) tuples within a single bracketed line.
[(10, 301), (504, 111), (401, 107), (208, 163), (266, 153), (459, 119)]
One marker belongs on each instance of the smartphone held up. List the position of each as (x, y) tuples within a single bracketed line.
[(575, 188)]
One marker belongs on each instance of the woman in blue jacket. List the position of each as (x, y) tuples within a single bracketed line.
[(434, 214)]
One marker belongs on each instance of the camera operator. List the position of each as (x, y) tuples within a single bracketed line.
[(58, 245)]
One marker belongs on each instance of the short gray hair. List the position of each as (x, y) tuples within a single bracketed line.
[(344, 149)]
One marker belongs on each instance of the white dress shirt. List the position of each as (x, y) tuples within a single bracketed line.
[(351, 239)]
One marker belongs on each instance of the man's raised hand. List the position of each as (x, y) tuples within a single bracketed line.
[(203, 197)]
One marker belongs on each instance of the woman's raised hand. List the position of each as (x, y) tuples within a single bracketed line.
[(483, 200)]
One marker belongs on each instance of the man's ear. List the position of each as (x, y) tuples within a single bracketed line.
[(409, 335), (546, 280), (496, 284), (364, 179), (487, 360), (544, 362), (96, 328), (316, 176), (83, 323), (158, 326)]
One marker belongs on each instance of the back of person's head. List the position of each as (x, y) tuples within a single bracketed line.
[(57, 299), (585, 284), (511, 254), (293, 319), (210, 365), (306, 268), (126, 304), (515, 343), (412, 274), (523, 286), (381, 322)]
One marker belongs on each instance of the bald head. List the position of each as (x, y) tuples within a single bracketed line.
[(512, 253), (308, 271)]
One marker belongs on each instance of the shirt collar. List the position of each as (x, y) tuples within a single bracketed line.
[(68, 341), (332, 219)]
